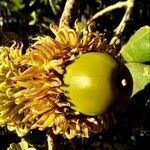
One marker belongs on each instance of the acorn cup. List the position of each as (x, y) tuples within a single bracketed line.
[(33, 91)]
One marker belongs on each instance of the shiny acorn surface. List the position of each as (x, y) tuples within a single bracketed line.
[(96, 82)]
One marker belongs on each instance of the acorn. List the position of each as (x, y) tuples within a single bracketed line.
[(95, 82), (66, 83)]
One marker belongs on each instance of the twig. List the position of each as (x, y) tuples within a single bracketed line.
[(50, 143), (66, 15), (108, 9), (121, 26), (128, 4)]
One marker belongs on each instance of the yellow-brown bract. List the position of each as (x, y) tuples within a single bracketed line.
[(95, 81), (30, 93)]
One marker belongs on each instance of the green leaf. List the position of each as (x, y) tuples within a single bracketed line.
[(137, 48), (141, 75)]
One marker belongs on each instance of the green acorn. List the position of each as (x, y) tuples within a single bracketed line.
[(95, 82)]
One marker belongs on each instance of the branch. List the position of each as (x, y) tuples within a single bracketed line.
[(121, 26), (128, 4), (107, 9), (50, 142), (66, 15)]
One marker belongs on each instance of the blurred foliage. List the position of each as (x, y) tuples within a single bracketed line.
[(32, 17), (27, 18)]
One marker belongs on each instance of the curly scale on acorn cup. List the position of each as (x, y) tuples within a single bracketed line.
[(72, 84)]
